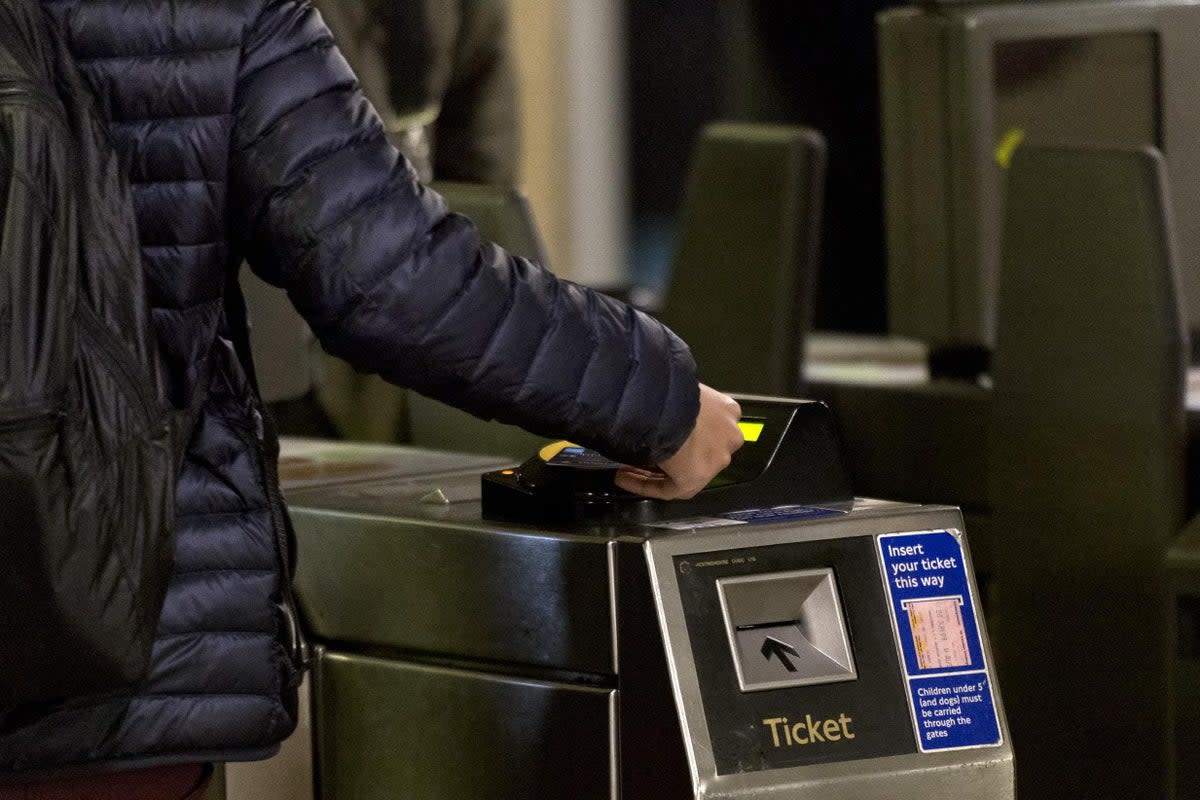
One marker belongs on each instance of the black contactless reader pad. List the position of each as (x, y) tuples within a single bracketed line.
[(792, 455), (563, 481)]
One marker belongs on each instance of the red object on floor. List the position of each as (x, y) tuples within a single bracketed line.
[(184, 782)]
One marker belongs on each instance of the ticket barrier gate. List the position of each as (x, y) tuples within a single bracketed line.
[(541, 634), (308, 464), (1183, 588)]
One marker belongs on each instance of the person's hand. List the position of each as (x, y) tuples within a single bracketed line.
[(706, 452)]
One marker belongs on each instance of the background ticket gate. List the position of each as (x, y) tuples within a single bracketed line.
[(545, 636)]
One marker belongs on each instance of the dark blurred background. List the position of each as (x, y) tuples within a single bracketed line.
[(767, 61)]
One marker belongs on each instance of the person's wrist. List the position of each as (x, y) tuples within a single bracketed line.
[(681, 412)]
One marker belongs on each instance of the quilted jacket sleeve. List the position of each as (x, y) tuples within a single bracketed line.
[(392, 283)]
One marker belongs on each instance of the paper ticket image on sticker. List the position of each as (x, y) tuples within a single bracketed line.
[(939, 635)]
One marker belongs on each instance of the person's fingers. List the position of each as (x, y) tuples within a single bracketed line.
[(657, 486), (641, 472)]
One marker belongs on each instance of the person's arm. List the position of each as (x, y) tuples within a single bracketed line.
[(395, 285)]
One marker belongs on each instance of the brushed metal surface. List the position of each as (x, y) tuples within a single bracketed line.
[(654, 763), (307, 463), (391, 729), (421, 580)]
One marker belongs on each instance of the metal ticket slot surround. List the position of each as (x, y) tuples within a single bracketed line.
[(539, 634), (815, 701)]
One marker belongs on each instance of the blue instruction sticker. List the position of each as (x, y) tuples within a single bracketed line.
[(954, 711), (934, 616), (767, 516)]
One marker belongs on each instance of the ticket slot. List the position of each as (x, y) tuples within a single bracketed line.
[(786, 629)]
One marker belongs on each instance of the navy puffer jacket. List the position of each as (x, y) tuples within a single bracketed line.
[(244, 134)]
